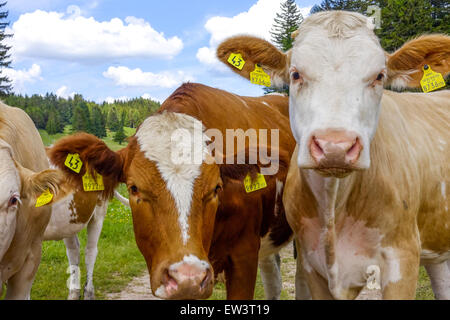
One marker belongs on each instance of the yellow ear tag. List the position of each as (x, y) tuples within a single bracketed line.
[(90, 184), (73, 162), (255, 185), (258, 76), (44, 199), (236, 60), (431, 80)]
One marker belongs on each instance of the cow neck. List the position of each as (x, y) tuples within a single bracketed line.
[(328, 202)]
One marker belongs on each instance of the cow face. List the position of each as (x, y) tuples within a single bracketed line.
[(173, 197), (19, 190), (336, 71)]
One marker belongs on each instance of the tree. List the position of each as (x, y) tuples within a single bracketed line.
[(53, 125), (81, 118), (348, 5), (97, 124), (285, 23), (113, 122), (403, 20), (5, 82), (120, 136), (440, 11)]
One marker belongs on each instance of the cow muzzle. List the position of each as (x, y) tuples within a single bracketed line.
[(187, 280), (335, 153)]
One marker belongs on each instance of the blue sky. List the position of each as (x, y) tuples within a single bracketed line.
[(111, 49)]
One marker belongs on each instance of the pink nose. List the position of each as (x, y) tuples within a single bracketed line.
[(188, 280), (335, 149)]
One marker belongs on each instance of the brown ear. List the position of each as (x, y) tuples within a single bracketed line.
[(94, 154), (405, 66), (35, 184), (256, 51)]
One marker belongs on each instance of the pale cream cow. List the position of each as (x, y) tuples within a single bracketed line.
[(367, 193)]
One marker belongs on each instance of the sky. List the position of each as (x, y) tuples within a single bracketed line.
[(116, 49)]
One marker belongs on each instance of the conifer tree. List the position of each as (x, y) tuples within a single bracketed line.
[(120, 136), (285, 23), (5, 62)]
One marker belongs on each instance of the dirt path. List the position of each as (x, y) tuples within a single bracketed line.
[(139, 288)]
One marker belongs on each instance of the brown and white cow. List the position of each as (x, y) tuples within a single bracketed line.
[(24, 176), (77, 211), (194, 219), (366, 193)]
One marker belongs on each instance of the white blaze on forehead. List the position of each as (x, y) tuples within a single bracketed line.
[(177, 144)]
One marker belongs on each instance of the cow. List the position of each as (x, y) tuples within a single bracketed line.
[(195, 219), (26, 177), (366, 194), (77, 211)]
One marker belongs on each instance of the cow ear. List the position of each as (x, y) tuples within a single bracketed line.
[(405, 66), (90, 153), (35, 185), (256, 51)]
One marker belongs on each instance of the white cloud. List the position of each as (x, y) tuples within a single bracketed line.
[(111, 100), (64, 93), (70, 36), (257, 21), (20, 77), (125, 77), (150, 97)]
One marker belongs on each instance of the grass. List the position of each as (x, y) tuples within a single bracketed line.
[(109, 140), (119, 259)]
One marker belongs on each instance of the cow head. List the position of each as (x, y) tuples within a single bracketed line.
[(173, 197), (336, 71), (19, 190)]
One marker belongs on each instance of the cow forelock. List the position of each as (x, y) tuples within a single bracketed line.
[(177, 145), (338, 58)]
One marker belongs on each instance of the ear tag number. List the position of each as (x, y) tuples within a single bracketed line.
[(255, 185), (431, 80), (44, 199), (259, 77), (236, 60), (73, 162), (90, 184)]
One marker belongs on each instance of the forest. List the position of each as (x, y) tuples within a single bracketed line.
[(53, 113)]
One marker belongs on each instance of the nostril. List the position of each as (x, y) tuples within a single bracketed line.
[(354, 152), (316, 149), (169, 282), (206, 280)]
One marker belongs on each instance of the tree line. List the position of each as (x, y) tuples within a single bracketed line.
[(53, 113)]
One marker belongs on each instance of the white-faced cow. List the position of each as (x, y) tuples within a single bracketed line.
[(24, 176), (366, 193), (193, 219)]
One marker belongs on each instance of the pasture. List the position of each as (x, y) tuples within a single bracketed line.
[(119, 260)]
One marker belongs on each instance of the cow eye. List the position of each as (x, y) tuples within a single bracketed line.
[(13, 201), (380, 77), (296, 76), (134, 190), (218, 188)]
